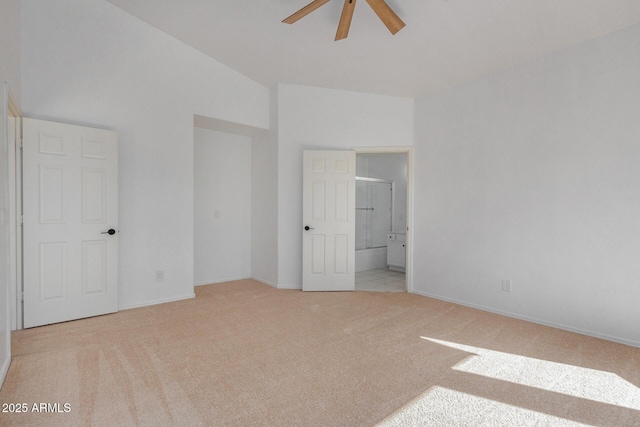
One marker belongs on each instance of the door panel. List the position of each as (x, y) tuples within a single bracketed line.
[(329, 212), (70, 183), (51, 191), (94, 261), (53, 268), (94, 196)]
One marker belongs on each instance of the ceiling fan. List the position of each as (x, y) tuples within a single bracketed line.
[(380, 7)]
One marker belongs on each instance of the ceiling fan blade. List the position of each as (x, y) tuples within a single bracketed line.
[(345, 19), (387, 15), (305, 11)]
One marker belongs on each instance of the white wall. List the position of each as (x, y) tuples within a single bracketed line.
[(88, 62), (264, 206), (531, 174), (10, 47), (9, 73), (315, 118), (222, 207)]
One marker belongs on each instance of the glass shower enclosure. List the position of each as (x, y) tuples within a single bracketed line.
[(373, 212)]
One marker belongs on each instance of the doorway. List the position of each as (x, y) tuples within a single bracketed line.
[(221, 207), (382, 219)]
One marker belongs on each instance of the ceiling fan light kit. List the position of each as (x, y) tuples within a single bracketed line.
[(388, 17)]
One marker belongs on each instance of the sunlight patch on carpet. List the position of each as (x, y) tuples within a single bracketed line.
[(441, 406), (576, 381)]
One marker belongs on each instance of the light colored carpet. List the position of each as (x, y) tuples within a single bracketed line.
[(243, 353)]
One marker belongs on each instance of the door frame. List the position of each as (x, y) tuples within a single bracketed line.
[(15, 212), (408, 151)]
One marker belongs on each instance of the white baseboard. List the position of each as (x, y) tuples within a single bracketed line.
[(266, 282), (274, 285), (4, 369), (290, 287), (158, 301), (214, 281), (533, 320)]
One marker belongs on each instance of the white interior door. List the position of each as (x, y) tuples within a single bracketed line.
[(328, 244), (70, 208)]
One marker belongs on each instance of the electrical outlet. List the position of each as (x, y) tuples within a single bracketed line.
[(159, 275), (506, 285)]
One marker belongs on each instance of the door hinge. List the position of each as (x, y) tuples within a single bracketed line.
[(21, 296), (21, 219), (20, 143)]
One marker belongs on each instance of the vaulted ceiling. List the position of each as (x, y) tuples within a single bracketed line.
[(445, 42)]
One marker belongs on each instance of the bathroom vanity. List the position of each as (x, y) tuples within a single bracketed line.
[(397, 251)]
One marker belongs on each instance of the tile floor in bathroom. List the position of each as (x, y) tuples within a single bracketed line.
[(381, 280)]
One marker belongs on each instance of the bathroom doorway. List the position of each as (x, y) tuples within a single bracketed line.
[(381, 221)]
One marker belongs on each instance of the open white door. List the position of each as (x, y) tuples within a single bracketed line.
[(328, 215), (70, 184)]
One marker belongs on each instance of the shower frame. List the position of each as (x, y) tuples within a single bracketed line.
[(393, 195)]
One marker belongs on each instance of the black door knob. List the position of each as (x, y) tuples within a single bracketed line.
[(307, 228), (110, 232)]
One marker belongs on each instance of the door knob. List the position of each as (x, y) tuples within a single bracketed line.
[(110, 232), (307, 228)]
